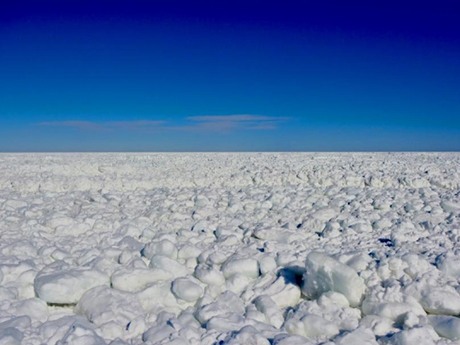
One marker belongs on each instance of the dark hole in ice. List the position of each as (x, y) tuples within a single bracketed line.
[(288, 312), (374, 256), (292, 274), (386, 241), (61, 305), (261, 250)]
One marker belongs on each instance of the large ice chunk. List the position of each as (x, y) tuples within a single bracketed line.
[(186, 289), (324, 273), (245, 266), (170, 265), (441, 300), (446, 326), (312, 326), (360, 336), (115, 312), (67, 286), (209, 275), (138, 279), (417, 335)]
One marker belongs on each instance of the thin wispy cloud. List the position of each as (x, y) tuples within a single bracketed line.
[(236, 118), (106, 125), (205, 123), (240, 121), (141, 124), (83, 125)]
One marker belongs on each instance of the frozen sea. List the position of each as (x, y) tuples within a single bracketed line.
[(230, 248)]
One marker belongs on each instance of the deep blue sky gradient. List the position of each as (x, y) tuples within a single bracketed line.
[(286, 76)]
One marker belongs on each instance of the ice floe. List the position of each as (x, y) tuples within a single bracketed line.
[(263, 249)]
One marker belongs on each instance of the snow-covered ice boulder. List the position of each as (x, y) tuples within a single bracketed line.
[(449, 264), (209, 275), (158, 296), (67, 286), (225, 322), (331, 310), (245, 266), (360, 336), (116, 312), (283, 293), (324, 273), (418, 335), (170, 265), (394, 311), (380, 326), (11, 336), (75, 329), (34, 308), (12, 331), (226, 303), (158, 333), (82, 334), (446, 326), (246, 335), (267, 264), (186, 289), (270, 309), (164, 247), (451, 206), (312, 326), (137, 279), (277, 235), (237, 283), (441, 300)]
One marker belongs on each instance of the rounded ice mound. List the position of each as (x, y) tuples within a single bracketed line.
[(137, 279), (169, 265), (246, 267), (246, 335), (82, 334), (11, 336), (441, 300), (417, 335), (446, 326), (186, 289), (67, 286), (312, 326), (451, 206), (324, 273), (449, 264), (163, 247), (284, 294), (209, 275), (115, 312), (360, 336), (270, 309)]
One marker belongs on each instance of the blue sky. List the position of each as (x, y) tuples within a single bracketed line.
[(229, 76)]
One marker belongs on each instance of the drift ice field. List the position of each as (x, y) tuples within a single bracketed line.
[(234, 248)]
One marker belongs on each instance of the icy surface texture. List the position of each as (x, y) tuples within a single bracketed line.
[(265, 249)]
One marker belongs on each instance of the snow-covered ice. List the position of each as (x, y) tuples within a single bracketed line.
[(234, 248)]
